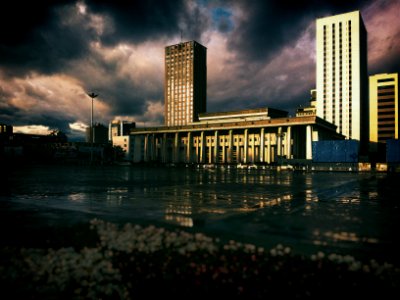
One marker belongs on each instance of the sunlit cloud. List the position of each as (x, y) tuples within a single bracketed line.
[(81, 6), (78, 126), (33, 129), (50, 98)]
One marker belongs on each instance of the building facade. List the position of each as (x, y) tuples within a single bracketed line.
[(185, 84), (342, 78), (119, 128), (6, 129), (311, 109), (98, 135), (383, 107), (132, 147), (235, 140)]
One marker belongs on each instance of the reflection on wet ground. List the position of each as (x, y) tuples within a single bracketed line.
[(346, 212)]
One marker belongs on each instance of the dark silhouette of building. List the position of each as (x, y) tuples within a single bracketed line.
[(100, 133)]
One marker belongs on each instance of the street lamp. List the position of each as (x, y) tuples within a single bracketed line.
[(91, 95)]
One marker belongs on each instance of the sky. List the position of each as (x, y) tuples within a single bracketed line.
[(260, 53)]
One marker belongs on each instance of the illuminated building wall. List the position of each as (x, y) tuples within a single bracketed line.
[(384, 107), (342, 78), (185, 85)]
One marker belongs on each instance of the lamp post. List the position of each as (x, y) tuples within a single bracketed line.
[(91, 132)]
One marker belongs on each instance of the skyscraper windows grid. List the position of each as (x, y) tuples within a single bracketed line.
[(384, 107), (342, 82), (185, 82)]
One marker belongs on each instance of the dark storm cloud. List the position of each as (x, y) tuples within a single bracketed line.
[(16, 117), (118, 89), (269, 25), (44, 35), (52, 121), (260, 53), (126, 97), (138, 20), (30, 37)]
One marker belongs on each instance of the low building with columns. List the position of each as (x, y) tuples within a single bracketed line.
[(259, 136)]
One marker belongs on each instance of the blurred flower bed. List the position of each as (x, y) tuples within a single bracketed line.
[(135, 262)]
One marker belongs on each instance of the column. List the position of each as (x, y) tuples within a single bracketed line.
[(176, 147), (268, 158), (238, 152), (289, 143), (308, 142), (164, 148), (202, 148), (189, 148), (152, 147), (223, 149), (262, 142), (230, 146), (253, 141), (210, 150), (146, 148), (279, 142), (295, 146), (197, 142), (216, 146), (246, 137)]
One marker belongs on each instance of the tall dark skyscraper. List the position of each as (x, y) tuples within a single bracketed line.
[(185, 86)]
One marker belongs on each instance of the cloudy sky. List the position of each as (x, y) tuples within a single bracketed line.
[(260, 53)]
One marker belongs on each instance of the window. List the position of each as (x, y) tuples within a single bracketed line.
[(386, 80)]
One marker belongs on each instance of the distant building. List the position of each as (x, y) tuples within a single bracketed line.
[(119, 128), (6, 133), (6, 129), (242, 115), (383, 107), (342, 79), (185, 86), (249, 136), (311, 109), (100, 134), (132, 147)]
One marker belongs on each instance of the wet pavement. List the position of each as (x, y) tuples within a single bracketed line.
[(343, 212)]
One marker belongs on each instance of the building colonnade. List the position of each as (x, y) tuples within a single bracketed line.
[(225, 146)]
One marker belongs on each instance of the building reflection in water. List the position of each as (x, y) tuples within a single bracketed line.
[(180, 215), (116, 195), (77, 197), (322, 238)]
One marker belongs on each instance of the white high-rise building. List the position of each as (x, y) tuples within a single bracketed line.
[(342, 78)]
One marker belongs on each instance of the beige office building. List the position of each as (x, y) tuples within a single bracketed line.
[(342, 78), (185, 85), (384, 107)]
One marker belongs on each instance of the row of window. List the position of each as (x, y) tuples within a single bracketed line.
[(171, 51), (386, 130), (386, 104), (389, 115), (386, 89), (385, 80)]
